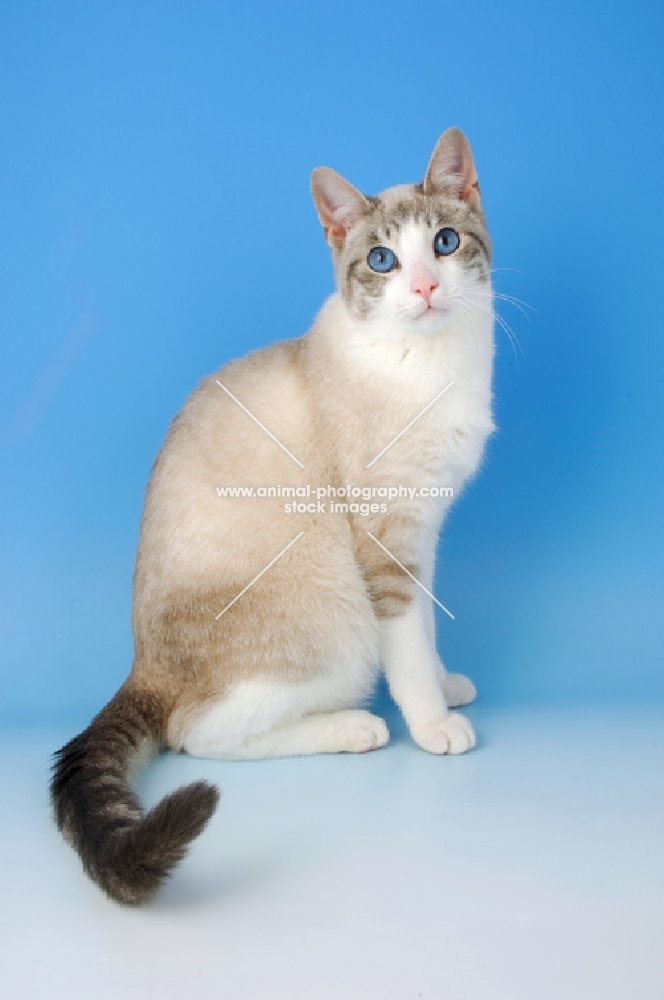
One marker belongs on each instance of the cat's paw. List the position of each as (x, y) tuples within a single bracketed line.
[(458, 690), (362, 731), (451, 734)]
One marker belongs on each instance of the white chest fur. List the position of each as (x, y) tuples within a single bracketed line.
[(429, 395)]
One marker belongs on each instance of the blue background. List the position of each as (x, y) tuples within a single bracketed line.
[(156, 221)]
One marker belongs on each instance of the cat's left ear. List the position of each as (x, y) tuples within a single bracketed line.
[(451, 170), (338, 203)]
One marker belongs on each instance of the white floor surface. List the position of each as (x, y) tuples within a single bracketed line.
[(529, 869)]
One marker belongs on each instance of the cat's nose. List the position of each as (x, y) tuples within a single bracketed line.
[(424, 283)]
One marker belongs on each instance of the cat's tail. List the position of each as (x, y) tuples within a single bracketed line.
[(128, 853)]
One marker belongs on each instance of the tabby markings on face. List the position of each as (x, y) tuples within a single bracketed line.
[(383, 226)]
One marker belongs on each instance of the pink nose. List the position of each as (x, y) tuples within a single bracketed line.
[(424, 285)]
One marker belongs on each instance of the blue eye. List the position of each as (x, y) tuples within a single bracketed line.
[(381, 259), (445, 242)]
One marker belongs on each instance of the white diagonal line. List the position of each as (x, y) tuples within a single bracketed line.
[(414, 578), (217, 617), (401, 433), (262, 426)]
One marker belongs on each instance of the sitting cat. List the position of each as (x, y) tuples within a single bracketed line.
[(260, 627)]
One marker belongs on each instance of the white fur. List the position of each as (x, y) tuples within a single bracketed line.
[(261, 718), (414, 249)]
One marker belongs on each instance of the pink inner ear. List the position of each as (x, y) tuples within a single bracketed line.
[(463, 181), (334, 224), (471, 192), (335, 234)]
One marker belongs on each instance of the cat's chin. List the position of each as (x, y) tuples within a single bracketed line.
[(422, 325), (433, 319), (386, 324)]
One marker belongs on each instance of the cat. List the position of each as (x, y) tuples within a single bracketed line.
[(260, 626)]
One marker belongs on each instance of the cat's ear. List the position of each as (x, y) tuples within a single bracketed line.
[(451, 170), (338, 203)]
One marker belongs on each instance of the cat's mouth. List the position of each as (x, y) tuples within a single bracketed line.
[(439, 309)]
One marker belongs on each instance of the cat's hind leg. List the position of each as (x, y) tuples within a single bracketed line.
[(264, 719), (349, 731)]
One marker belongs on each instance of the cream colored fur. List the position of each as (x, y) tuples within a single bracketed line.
[(286, 668)]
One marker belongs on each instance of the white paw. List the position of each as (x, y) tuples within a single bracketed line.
[(451, 734), (458, 690), (362, 731)]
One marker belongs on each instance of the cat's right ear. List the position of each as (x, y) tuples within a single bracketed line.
[(338, 203)]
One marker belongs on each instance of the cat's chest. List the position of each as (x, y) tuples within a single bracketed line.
[(422, 414)]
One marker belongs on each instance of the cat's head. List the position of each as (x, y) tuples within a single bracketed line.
[(415, 255)]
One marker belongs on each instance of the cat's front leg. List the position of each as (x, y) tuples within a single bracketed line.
[(413, 673)]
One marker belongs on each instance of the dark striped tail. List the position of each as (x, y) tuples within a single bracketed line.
[(128, 853)]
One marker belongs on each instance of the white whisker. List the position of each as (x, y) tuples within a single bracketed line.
[(518, 303), (502, 322)]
